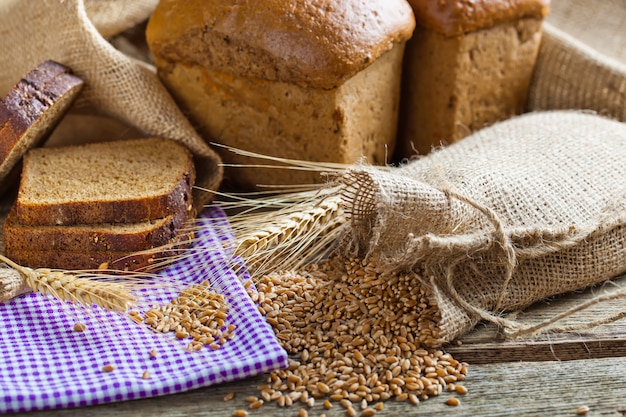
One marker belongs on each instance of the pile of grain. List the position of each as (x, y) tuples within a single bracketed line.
[(198, 313), (351, 333)]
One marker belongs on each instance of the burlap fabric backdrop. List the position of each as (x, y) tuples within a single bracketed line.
[(119, 87), (523, 210)]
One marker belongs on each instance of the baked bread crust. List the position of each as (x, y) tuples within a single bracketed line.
[(167, 191), (315, 43), (455, 17), (31, 110)]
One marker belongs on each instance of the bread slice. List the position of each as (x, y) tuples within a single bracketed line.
[(147, 260), (31, 110), (103, 237), (125, 181)]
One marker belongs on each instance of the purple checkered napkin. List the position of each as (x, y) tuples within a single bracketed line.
[(45, 364)]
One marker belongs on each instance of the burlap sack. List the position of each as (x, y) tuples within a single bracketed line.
[(117, 86), (582, 59), (112, 17), (526, 209)]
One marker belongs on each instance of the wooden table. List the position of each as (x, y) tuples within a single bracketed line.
[(546, 376)]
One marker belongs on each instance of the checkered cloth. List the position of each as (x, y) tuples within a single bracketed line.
[(45, 364)]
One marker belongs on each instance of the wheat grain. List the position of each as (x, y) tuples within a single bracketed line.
[(359, 333), (198, 313)]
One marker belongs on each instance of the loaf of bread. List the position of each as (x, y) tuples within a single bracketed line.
[(316, 80), (129, 260), (467, 66), (126, 181), (122, 205), (101, 237), (30, 111)]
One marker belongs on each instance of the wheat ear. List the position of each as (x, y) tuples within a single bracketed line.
[(64, 286), (297, 232)]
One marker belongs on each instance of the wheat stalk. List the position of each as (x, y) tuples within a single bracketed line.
[(301, 228), (64, 286)]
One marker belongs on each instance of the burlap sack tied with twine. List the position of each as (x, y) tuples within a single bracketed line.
[(118, 86), (526, 209)]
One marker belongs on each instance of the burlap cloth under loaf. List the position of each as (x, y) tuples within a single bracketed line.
[(582, 59), (118, 86)]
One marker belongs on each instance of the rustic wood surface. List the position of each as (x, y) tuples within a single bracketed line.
[(550, 375)]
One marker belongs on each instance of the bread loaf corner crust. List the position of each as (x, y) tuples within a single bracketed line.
[(318, 43), (455, 17)]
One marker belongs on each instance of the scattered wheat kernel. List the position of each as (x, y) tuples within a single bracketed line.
[(153, 353), (368, 412), (108, 368), (256, 404), (240, 413), (402, 397), (251, 398), (323, 387), (379, 406), (181, 335), (145, 375), (345, 403), (460, 389), (79, 327), (351, 412), (229, 396), (327, 404), (582, 410), (453, 401), (303, 413), (103, 266)]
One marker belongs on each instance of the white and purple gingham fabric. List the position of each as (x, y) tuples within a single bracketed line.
[(45, 364)]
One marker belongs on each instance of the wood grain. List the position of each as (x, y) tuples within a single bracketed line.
[(502, 389), (485, 344)]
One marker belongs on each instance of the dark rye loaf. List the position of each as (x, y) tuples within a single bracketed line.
[(127, 181), (30, 111)]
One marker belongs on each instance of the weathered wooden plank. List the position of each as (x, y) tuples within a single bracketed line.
[(503, 389), (485, 344)]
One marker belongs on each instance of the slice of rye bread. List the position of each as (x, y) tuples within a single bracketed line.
[(30, 111), (148, 260), (103, 237), (124, 181)]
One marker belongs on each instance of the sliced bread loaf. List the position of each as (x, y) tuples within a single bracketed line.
[(146, 260), (102, 237), (31, 110), (127, 181)]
